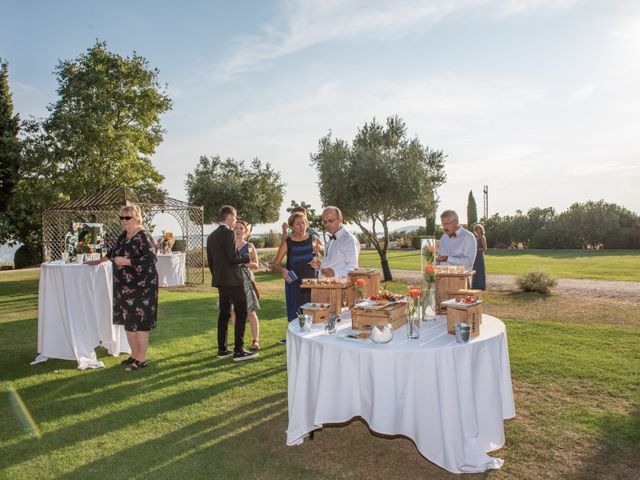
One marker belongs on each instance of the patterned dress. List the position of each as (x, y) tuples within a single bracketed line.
[(247, 277), (135, 288), (299, 254)]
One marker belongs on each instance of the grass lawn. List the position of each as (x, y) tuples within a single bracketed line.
[(604, 265), (190, 415)]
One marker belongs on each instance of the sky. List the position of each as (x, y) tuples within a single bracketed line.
[(537, 99)]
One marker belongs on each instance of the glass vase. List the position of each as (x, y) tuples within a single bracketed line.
[(428, 302), (413, 319)]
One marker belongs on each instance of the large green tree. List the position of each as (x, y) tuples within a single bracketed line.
[(256, 191), (105, 126), (381, 177), (102, 131), (9, 142)]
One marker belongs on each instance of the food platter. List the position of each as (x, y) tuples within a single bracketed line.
[(314, 306), (376, 304), (457, 302)]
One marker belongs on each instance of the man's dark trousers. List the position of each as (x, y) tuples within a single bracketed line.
[(232, 294)]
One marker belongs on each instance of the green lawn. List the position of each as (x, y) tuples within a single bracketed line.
[(604, 265), (190, 415)]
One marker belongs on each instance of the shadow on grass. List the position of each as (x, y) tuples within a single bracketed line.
[(128, 398), (18, 287), (528, 296), (207, 448), (618, 455)]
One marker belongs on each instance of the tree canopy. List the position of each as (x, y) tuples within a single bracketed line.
[(256, 192), (102, 131), (381, 176)]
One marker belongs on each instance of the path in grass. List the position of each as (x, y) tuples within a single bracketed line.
[(613, 289)]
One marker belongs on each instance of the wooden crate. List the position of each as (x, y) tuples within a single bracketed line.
[(371, 278), (467, 292), (320, 315), (331, 293), (471, 315), (394, 314), (449, 283)]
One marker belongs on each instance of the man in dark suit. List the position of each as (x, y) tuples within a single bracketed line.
[(224, 264)]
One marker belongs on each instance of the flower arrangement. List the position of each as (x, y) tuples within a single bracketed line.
[(82, 247), (428, 254), (85, 238), (360, 283), (166, 242)]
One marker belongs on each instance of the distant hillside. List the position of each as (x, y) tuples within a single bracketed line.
[(407, 229)]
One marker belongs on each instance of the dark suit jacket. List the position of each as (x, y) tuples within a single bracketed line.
[(222, 256)]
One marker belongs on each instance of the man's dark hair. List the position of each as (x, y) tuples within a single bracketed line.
[(225, 211)]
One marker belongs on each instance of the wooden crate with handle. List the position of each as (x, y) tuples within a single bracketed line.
[(394, 314)]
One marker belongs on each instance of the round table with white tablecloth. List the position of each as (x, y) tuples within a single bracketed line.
[(75, 314), (451, 399), (171, 269)]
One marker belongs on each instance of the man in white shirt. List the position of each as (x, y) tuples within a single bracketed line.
[(342, 249), (457, 245)]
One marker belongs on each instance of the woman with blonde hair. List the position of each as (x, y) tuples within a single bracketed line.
[(479, 281), (135, 284), (243, 247)]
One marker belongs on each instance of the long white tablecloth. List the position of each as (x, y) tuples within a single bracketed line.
[(75, 314), (450, 399), (171, 269)]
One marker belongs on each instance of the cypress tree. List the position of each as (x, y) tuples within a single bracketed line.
[(472, 211), (9, 143)]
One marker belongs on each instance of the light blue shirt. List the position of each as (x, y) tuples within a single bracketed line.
[(459, 250)]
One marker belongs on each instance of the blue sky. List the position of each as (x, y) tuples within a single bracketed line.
[(538, 99)]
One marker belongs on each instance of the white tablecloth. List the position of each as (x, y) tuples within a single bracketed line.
[(75, 314), (171, 269), (450, 399)]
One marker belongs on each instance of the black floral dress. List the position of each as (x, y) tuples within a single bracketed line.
[(135, 288)]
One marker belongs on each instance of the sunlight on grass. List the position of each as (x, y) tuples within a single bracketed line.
[(191, 415)]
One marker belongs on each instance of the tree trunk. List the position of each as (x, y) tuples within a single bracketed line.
[(386, 271)]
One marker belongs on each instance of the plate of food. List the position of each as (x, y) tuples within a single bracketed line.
[(354, 336), (467, 301), (314, 306)]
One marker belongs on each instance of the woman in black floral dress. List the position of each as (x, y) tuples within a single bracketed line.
[(135, 284)]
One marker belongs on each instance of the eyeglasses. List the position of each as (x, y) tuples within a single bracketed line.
[(126, 218)]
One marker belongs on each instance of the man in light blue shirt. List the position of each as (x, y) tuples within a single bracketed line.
[(457, 245)]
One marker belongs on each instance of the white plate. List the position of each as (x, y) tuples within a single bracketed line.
[(452, 302), (314, 306)]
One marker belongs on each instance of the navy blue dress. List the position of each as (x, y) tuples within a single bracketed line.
[(299, 254), (479, 281)]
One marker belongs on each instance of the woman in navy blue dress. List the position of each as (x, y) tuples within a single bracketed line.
[(300, 249), (479, 281)]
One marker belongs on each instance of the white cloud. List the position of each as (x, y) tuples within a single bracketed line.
[(601, 168), (582, 93), (309, 22)]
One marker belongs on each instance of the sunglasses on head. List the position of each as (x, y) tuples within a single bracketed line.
[(126, 218)]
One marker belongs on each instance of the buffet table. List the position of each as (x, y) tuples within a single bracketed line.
[(75, 314), (171, 269), (449, 398)]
